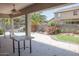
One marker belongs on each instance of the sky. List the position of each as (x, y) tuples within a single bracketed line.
[(50, 13)]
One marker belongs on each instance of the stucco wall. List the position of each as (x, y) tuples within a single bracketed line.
[(68, 15)]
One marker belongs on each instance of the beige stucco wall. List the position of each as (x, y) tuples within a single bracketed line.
[(68, 15)]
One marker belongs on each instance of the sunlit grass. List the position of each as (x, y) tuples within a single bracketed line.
[(67, 38)]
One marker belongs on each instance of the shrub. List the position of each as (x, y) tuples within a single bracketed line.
[(1, 31), (62, 31), (52, 23), (57, 31), (53, 28)]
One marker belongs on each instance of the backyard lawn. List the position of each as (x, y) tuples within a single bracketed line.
[(67, 38)]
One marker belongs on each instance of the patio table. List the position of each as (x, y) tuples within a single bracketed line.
[(18, 39)]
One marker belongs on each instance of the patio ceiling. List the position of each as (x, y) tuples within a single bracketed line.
[(5, 8), (24, 8)]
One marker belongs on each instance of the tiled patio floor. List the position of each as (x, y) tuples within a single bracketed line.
[(42, 45)]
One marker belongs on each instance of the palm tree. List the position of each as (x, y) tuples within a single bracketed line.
[(37, 19)]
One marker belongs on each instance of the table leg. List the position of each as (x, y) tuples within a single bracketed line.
[(30, 47), (24, 44), (18, 48), (13, 47)]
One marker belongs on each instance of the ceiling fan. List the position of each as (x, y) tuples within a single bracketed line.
[(14, 11)]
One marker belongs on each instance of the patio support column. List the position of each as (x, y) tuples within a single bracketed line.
[(12, 27), (4, 28), (28, 29), (27, 25)]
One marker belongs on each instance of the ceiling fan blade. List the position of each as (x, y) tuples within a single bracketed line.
[(14, 11)]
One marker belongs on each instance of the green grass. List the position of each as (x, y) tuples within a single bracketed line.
[(67, 38)]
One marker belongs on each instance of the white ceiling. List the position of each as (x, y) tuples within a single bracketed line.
[(5, 8)]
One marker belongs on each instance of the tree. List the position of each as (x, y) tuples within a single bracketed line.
[(6, 23), (37, 19)]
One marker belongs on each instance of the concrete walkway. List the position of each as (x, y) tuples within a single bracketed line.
[(42, 45), (47, 46)]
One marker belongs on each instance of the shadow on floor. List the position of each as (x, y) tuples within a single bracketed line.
[(43, 49)]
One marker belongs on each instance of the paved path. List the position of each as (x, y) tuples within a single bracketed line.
[(49, 46), (43, 45)]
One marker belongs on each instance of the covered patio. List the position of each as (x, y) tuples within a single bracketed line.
[(32, 47), (12, 10)]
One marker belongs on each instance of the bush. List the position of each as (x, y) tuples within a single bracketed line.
[(57, 31), (62, 31), (53, 30), (52, 23), (1, 31)]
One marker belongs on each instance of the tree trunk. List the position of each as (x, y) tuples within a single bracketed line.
[(34, 28)]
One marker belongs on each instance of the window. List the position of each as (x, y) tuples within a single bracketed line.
[(57, 15), (75, 12)]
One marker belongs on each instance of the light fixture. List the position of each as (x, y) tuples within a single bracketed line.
[(14, 11)]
